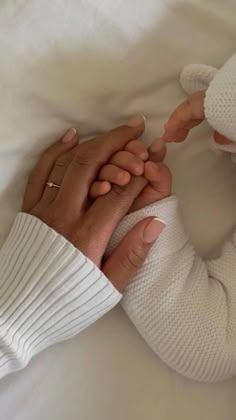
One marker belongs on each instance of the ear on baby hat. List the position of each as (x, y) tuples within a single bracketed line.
[(195, 77), (220, 99)]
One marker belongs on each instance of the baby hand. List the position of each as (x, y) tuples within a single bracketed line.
[(187, 115), (158, 187), (134, 161), (120, 168)]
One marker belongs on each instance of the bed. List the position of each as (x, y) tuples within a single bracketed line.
[(93, 64)]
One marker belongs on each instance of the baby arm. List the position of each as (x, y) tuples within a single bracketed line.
[(186, 116), (184, 308)]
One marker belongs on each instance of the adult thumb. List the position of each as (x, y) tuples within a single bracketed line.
[(124, 262)]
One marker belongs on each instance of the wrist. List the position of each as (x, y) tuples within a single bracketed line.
[(50, 291)]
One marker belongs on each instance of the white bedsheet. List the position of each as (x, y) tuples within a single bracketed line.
[(92, 64)]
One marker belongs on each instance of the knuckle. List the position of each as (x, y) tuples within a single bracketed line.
[(134, 258), (118, 191), (82, 160), (86, 156), (63, 161), (117, 134), (99, 141), (124, 131)]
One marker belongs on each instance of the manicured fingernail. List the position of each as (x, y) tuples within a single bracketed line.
[(137, 120), (153, 230), (157, 145), (70, 134)]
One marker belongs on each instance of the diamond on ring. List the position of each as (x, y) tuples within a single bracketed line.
[(51, 184)]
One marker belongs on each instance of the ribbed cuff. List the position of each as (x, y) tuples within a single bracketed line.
[(49, 292), (172, 238)]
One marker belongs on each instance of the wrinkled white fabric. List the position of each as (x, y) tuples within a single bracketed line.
[(92, 64)]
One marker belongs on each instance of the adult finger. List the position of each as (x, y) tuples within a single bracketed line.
[(186, 116), (129, 162), (41, 172), (91, 156), (103, 216), (138, 149), (57, 174), (125, 261)]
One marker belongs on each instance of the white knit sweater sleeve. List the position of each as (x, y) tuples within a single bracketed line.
[(183, 307), (49, 292)]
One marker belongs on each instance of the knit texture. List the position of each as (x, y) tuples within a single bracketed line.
[(183, 307), (220, 101), (195, 77), (49, 292)]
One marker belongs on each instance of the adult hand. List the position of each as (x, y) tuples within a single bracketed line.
[(89, 226)]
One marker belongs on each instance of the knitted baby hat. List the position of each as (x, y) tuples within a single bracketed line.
[(220, 100)]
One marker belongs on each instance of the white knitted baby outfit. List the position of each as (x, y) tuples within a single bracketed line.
[(220, 101)]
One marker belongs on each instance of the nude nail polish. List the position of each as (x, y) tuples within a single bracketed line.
[(136, 121), (153, 230), (70, 134)]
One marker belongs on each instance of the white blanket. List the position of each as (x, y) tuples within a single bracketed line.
[(92, 64)]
